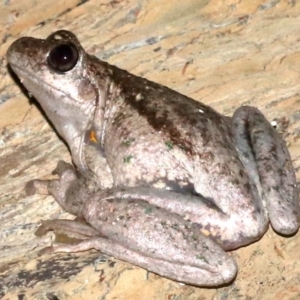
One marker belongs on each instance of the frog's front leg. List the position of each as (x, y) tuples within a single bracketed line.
[(267, 161), (69, 190)]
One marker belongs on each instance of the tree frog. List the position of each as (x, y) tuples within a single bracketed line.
[(159, 180)]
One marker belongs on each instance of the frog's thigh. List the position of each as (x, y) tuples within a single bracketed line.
[(200, 273), (158, 240), (270, 167)]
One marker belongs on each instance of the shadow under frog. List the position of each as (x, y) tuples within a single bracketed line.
[(162, 181)]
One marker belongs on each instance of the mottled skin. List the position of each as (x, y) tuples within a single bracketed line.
[(161, 180)]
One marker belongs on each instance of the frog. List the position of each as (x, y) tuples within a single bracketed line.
[(159, 180)]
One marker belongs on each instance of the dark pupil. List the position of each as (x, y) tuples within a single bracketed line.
[(63, 58)]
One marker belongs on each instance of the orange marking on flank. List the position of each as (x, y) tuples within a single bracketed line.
[(93, 137)]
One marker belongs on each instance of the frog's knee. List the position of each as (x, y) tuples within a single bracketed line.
[(254, 228), (244, 231)]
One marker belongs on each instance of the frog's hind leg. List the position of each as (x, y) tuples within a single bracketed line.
[(172, 248), (267, 160)]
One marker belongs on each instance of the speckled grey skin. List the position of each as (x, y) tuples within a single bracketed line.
[(161, 180)]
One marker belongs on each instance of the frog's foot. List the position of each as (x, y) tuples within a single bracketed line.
[(208, 269), (73, 229), (66, 231), (268, 163)]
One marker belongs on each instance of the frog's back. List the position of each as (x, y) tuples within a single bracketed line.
[(161, 138)]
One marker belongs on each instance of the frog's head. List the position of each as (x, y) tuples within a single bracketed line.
[(63, 79)]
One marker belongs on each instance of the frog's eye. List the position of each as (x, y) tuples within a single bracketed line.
[(63, 58)]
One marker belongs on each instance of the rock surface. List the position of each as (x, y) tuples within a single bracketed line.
[(224, 53)]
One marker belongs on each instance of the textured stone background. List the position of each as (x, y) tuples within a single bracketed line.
[(224, 53)]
